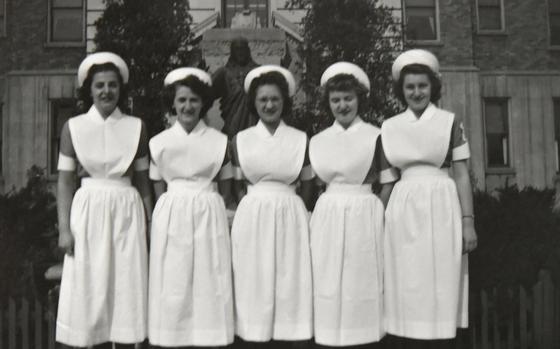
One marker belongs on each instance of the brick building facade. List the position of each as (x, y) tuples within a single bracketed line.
[(500, 68)]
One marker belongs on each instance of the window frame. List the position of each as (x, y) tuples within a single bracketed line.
[(549, 28), (506, 168), (4, 27), (52, 163), (225, 14), (2, 139), (556, 137), (502, 20), (53, 43), (437, 40)]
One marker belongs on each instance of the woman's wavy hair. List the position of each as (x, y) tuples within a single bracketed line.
[(85, 100), (196, 85), (415, 68), (270, 78), (344, 83)]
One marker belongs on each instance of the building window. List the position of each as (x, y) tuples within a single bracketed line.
[(1, 138), (61, 110), (497, 132), (554, 21), (490, 15), (66, 21), (556, 111), (245, 13), (421, 20), (2, 17)]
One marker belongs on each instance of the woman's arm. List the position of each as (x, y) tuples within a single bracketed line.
[(464, 190), (239, 189), (385, 192), (142, 184), (225, 190), (307, 191), (159, 188), (65, 191)]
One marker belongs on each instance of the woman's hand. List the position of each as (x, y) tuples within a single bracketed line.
[(66, 242), (470, 240)]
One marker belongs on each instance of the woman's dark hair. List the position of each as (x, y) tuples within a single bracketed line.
[(270, 78), (344, 83), (84, 92), (197, 86), (415, 68)]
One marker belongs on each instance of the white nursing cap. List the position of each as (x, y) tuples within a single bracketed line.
[(346, 68), (255, 73), (415, 56), (102, 58), (182, 73)]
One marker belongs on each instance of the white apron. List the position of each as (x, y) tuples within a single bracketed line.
[(103, 294), (347, 238), (426, 280), (270, 239), (190, 293)]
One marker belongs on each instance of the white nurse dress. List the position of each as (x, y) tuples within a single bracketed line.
[(103, 294), (190, 294), (270, 237), (347, 235), (426, 280)]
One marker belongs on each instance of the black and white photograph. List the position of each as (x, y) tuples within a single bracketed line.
[(280, 174)]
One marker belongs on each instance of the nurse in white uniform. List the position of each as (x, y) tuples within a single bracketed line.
[(104, 290), (190, 298), (270, 235), (347, 222), (429, 219)]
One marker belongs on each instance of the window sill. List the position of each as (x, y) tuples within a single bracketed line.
[(64, 44), (425, 43), (500, 171), (554, 48), (502, 33), (52, 178)]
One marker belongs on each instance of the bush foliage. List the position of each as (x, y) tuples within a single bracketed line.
[(363, 32), (153, 37), (28, 234), (519, 235)]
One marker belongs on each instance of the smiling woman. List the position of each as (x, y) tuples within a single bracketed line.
[(270, 236), (429, 218), (105, 91), (102, 225), (190, 293), (347, 222), (269, 104)]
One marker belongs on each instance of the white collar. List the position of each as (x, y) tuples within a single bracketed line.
[(197, 130), (95, 115), (262, 131), (426, 115), (354, 125)]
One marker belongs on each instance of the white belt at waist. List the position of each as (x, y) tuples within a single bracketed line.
[(346, 188), (106, 182), (270, 187), (419, 171), (190, 185)]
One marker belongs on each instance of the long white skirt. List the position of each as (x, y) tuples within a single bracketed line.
[(347, 256), (190, 298), (426, 276), (272, 265), (103, 295)]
